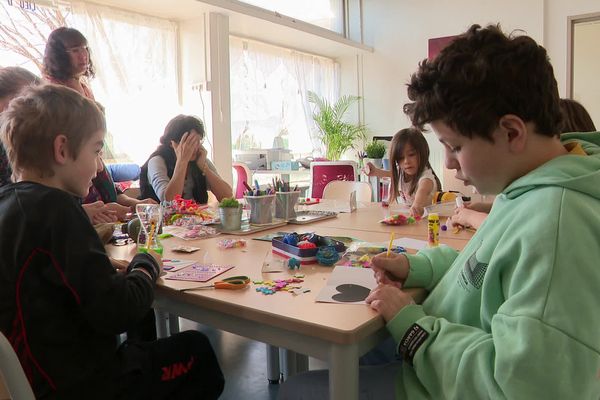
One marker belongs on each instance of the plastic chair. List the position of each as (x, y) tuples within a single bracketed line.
[(12, 372), (340, 190), (242, 174), (323, 172)]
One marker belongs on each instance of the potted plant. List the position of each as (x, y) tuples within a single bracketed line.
[(374, 152), (336, 134), (230, 211)]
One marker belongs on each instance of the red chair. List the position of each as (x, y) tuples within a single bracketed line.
[(323, 172), (242, 174)]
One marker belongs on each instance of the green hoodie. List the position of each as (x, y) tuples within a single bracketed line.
[(517, 313)]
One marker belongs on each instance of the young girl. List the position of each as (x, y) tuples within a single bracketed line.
[(413, 178)]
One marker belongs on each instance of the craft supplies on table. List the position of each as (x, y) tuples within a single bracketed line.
[(304, 247)]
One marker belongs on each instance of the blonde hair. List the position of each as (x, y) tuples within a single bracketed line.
[(33, 120)]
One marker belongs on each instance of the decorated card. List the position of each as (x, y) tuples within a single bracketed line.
[(198, 272)]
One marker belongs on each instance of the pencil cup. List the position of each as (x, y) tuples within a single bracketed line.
[(231, 218), (284, 204), (261, 208), (151, 218)]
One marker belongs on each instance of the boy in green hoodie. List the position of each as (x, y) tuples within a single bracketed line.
[(515, 314)]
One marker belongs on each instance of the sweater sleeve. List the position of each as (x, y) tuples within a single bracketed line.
[(428, 266), (157, 176), (112, 302), (541, 340)]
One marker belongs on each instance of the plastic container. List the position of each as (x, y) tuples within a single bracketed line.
[(285, 203), (261, 208), (151, 218), (306, 256)]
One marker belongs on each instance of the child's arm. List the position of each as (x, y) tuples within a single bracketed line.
[(128, 201), (372, 170), (422, 197), (98, 213), (215, 183)]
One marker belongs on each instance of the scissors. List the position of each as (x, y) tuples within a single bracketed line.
[(232, 283)]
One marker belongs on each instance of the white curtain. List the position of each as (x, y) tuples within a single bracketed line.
[(268, 95), (322, 77), (135, 57)]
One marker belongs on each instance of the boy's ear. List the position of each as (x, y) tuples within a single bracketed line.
[(61, 152), (515, 131)]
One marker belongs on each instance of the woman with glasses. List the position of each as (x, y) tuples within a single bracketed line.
[(180, 166)]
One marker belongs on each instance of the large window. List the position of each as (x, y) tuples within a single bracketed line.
[(136, 66), (327, 14), (269, 105)]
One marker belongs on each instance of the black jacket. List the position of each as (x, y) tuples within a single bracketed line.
[(61, 301)]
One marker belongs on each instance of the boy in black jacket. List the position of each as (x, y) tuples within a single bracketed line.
[(62, 303)]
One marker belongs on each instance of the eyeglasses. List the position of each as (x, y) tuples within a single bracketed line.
[(78, 50)]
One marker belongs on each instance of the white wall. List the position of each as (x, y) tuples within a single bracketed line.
[(556, 13), (399, 32)]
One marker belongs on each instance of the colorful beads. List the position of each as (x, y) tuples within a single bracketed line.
[(279, 285)]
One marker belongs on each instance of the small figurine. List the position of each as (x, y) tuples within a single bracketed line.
[(293, 263)]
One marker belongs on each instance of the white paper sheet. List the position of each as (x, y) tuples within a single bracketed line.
[(351, 281)]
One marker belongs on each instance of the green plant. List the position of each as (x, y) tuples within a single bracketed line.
[(337, 135), (375, 149), (229, 202)]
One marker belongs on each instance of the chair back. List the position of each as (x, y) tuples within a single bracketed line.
[(340, 190), (12, 372), (323, 172), (242, 174)]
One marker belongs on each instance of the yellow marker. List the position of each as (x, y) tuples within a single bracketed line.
[(390, 244), (433, 229)]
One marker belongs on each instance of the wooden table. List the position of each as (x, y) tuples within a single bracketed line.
[(337, 333)]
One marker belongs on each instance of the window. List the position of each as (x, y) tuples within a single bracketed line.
[(136, 71), (136, 66), (327, 14), (269, 86)]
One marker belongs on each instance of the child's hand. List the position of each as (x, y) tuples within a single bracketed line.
[(391, 270), (120, 265), (388, 300), (158, 259), (464, 217), (416, 210), (119, 210), (98, 213)]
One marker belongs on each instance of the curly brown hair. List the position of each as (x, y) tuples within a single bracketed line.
[(57, 63), (481, 76)]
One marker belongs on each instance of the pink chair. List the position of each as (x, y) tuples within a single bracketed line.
[(323, 172), (242, 174)]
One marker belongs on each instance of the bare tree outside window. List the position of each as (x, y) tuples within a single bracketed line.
[(24, 29)]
